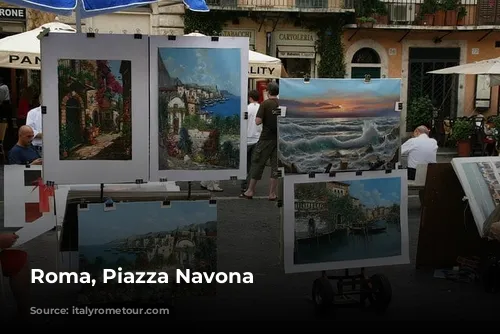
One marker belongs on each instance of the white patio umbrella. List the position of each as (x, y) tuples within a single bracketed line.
[(261, 66), (22, 51), (489, 67)]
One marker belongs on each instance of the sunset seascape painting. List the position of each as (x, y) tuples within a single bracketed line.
[(348, 123)]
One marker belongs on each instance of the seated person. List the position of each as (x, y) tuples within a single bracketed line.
[(420, 150), (14, 264), (23, 153)]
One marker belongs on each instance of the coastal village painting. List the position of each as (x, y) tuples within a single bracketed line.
[(347, 221), (147, 236), (95, 109), (347, 123), (199, 108)]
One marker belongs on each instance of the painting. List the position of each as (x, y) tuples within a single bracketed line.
[(201, 89), (480, 180), (348, 123), (94, 109), (95, 129), (346, 221), (170, 236), (22, 204)]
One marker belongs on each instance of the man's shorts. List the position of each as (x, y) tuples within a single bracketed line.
[(264, 150)]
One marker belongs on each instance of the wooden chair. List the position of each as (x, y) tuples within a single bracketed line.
[(3, 132)]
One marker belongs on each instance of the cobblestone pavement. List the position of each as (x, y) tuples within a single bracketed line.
[(103, 141), (248, 240)]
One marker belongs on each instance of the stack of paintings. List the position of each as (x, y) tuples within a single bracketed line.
[(201, 99), (480, 180), (147, 237), (347, 221), (349, 123)]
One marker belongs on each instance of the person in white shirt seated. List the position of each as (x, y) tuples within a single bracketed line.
[(420, 150), (34, 121), (253, 131)]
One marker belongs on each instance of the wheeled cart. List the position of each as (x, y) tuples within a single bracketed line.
[(351, 290)]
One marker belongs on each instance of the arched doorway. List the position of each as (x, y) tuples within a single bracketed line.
[(366, 61), (73, 122)]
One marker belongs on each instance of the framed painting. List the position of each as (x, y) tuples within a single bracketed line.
[(348, 123), (480, 180), (346, 221), (95, 91), (171, 235), (22, 197), (198, 103)]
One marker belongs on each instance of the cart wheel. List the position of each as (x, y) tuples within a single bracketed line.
[(322, 294), (381, 292)]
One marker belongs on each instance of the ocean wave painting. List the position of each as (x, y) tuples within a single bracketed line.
[(348, 123)]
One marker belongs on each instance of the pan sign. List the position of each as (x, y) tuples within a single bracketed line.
[(12, 14), (26, 61)]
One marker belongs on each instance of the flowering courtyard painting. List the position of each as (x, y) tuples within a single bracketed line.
[(199, 108), (94, 109)]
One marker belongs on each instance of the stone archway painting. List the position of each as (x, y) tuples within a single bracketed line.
[(95, 96)]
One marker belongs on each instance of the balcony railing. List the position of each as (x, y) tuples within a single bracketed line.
[(413, 12), (282, 5)]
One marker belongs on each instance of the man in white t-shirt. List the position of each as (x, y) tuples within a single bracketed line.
[(420, 150), (253, 131), (34, 121)]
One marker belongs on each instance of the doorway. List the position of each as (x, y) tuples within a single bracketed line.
[(441, 89), (73, 123), (297, 67)]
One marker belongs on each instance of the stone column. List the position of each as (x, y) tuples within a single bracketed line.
[(168, 18)]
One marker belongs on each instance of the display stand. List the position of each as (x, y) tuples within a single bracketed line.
[(447, 227)]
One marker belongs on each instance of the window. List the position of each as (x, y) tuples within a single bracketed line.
[(366, 61)]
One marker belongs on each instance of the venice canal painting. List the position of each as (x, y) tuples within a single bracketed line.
[(199, 108), (95, 109), (348, 123), (144, 236), (347, 221)]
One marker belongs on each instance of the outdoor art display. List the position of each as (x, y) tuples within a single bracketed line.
[(198, 128), (480, 180), (346, 221), (95, 129), (170, 236), (349, 123)]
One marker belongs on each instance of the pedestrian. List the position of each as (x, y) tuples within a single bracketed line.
[(5, 107), (266, 147), (420, 150), (253, 132), (34, 121)]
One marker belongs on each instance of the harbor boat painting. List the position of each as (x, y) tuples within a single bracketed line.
[(199, 108), (345, 222), (480, 179), (147, 237), (347, 123), (95, 109)]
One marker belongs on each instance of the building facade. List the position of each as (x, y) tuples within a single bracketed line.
[(277, 28), (413, 37)]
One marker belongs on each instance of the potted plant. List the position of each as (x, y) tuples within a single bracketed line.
[(427, 11), (381, 15), (419, 113), (365, 22), (451, 9), (461, 132), (461, 14), (440, 15)]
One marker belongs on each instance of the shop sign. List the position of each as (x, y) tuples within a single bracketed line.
[(295, 38), (240, 33), (296, 54), (12, 14), (264, 71)]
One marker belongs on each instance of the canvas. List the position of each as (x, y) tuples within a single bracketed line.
[(170, 236), (480, 179), (198, 128), (96, 95), (94, 109), (346, 221), (348, 123)]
